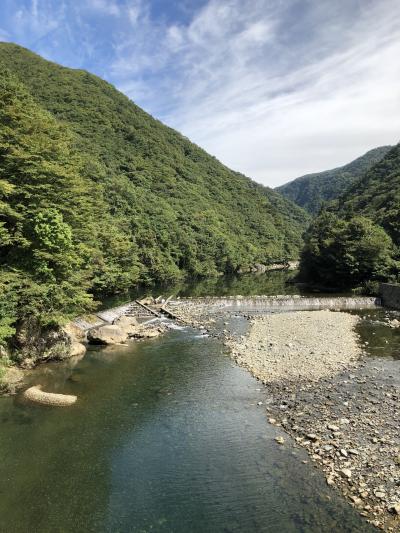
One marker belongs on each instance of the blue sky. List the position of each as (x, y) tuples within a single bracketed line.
[(273, 88)]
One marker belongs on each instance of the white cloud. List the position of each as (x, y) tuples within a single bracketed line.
[(274, 89), (108, 7), (34, 21), (315, 107)]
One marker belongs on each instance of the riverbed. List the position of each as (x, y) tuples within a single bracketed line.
[(167, 436)]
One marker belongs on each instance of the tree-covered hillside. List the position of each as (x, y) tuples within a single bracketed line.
[(377, 195), (96, 196), (357, 237), (312, 190)]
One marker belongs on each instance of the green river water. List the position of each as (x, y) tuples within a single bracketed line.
[(166, 437)]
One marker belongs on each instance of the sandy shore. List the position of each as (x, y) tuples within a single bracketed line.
[(342, 408)]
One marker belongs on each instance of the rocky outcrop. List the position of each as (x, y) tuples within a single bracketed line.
[(77, 336), (12, 380), (390, 294), (36, 395), (109, 334), (34, 343)]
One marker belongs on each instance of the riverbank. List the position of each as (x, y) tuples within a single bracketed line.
[(338, 405), (70, 342)]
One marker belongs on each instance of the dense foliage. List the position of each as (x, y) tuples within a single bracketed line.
[(377, 195), (346, 253), (357, 238), (97, 196), (312, 190), (49, 248)]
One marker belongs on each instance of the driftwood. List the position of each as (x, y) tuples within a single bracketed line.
[(151, 311), (36, 395)]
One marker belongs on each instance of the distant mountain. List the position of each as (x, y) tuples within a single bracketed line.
[(311, 190), (97, 196)]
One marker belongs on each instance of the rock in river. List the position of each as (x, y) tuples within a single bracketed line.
[(109, 334), (129, 324), (77, 348)]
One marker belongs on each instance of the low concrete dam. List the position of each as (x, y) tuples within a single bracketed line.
[(180, 307), (260, 304)]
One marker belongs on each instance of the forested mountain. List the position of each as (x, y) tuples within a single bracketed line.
[(97, 196), (377, 195), (312, 190), (357, 237)]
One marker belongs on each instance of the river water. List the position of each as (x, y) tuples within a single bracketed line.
[(166, 436)]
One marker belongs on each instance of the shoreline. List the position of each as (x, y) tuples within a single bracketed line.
[(335, 403)]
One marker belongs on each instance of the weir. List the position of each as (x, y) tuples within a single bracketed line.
[(108, 316), (244, 304), (254, 304)]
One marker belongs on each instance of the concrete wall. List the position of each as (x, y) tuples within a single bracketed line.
[(297, 304), (390, 295), (260, 304)]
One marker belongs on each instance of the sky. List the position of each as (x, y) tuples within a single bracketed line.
[(273, 88)]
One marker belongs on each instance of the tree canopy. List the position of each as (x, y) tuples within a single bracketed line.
[(346, 253)]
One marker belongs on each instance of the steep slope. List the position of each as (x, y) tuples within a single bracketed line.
[(377, 195), (311, 190), (188, 212), (356, 239), (96, 196)]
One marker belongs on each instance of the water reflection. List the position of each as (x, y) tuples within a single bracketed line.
[(166, 436), (269, 283)]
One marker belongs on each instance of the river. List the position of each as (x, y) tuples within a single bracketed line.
[(166, 436)]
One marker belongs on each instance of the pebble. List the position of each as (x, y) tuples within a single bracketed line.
[(346, 472), (332, 427), (395, 508)]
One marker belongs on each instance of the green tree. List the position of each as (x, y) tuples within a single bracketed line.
[(40, 186), (343, 253)]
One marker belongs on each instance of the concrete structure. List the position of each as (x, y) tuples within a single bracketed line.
[(390, 295), (265, 304)]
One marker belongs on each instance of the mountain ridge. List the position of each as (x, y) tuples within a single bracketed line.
[(312, 190)]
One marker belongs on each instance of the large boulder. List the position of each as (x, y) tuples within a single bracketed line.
[(74, 332), (129, 324), (109, 334), (148, 332), (77, 348)]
